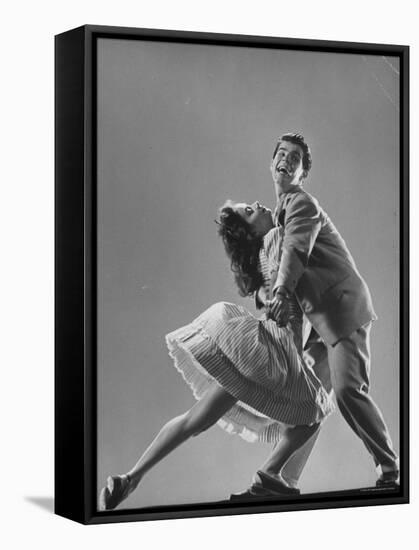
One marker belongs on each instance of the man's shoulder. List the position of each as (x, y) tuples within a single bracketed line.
[(301, 199), (302, 196)]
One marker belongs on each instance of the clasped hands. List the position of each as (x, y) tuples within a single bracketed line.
[(278, 309)]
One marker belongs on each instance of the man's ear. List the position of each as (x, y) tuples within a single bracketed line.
[(303, 176)]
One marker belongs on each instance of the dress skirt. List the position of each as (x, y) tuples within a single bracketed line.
[(255, 361)]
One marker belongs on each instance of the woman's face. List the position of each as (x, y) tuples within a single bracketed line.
[(256, 215)]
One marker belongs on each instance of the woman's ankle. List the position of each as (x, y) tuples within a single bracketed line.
[(271, 472), (133, 479), (278, 476)]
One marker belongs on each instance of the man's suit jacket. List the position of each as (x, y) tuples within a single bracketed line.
[(317, 265)]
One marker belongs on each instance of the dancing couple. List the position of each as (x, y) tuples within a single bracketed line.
[(252, 375)]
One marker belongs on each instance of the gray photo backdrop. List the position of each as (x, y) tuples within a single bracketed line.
[(181, 128)]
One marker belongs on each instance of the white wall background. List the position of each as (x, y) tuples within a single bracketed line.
[(180, 128), (26, 219)]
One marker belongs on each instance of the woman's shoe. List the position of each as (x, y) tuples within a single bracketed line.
[(117, 489), (272, 485)]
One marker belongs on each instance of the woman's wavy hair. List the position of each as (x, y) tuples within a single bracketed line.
[(242, 247)]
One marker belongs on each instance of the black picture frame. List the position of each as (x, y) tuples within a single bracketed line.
[(76, 276)]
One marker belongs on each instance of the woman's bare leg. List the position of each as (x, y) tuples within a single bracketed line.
[(206, 412), (293, 469), (293, 439)]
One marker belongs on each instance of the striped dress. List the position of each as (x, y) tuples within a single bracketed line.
[(254, 360)]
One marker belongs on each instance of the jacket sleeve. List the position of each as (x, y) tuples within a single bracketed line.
[(302, 223)]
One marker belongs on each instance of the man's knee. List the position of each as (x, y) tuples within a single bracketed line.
[(349, 378), (346, 391)]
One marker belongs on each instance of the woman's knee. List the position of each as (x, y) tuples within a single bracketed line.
[(194, 423)]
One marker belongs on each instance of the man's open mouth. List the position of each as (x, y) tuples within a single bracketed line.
[(283, 170)]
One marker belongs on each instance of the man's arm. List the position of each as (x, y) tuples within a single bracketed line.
[(302, 223)]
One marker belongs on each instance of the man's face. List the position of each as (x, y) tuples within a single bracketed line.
[(287, 167)]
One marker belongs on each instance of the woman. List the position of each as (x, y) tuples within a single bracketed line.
[(247, 374)]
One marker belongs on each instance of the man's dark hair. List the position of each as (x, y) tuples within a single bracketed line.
[(297, 139)]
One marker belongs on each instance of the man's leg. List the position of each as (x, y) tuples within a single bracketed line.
[(349, 363)]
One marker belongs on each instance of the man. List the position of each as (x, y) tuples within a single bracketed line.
[(317, 266)]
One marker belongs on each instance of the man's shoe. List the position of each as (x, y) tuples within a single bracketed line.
[(388, 480)]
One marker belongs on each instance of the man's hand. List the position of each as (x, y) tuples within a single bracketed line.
[(278, 309)]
